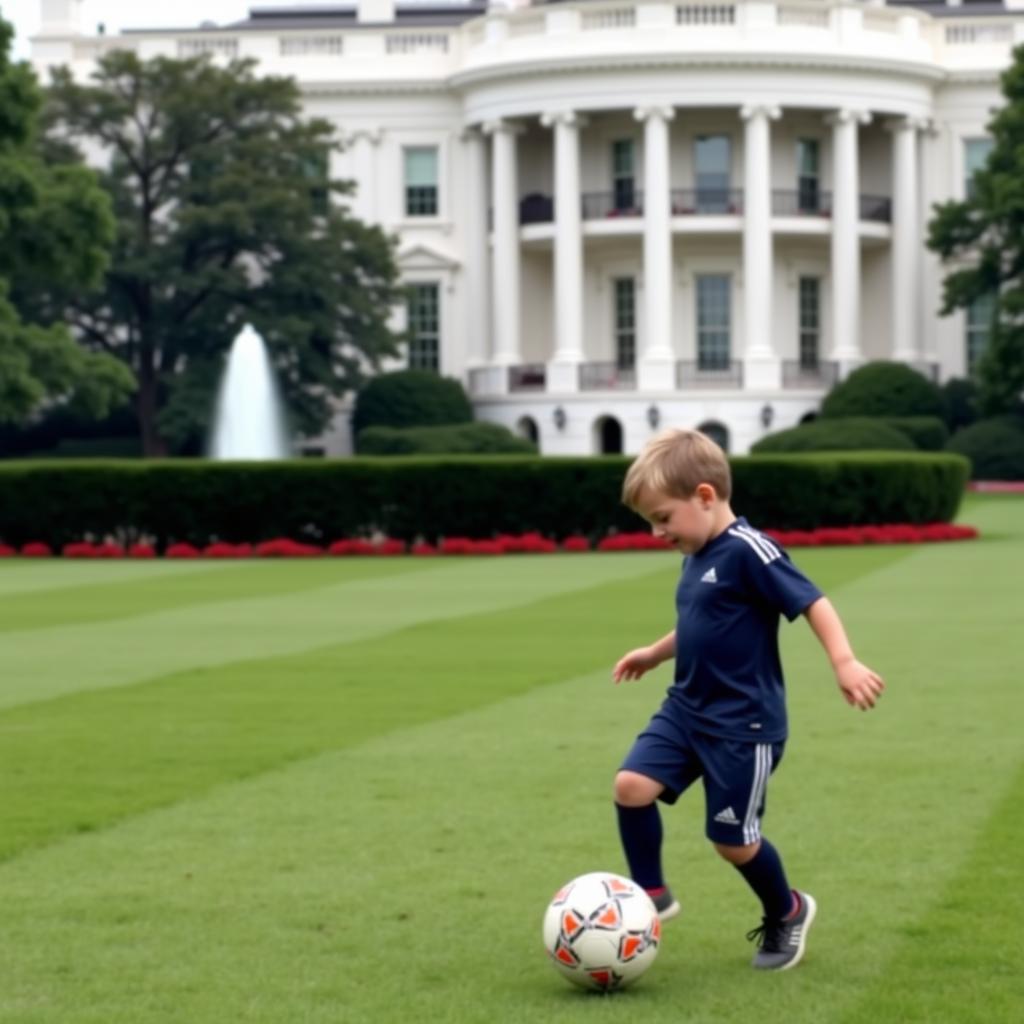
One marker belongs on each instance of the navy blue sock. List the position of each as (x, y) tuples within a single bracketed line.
[(641, 833), (765, 875)]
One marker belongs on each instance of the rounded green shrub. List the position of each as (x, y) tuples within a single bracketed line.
[(851, 434), (884, 389), (994, 446), (927, 433), (410, 398)]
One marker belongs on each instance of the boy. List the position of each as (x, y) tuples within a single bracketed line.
[(724, 719)]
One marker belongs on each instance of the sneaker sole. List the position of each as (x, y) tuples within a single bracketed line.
[(672, 910), (812, 909)]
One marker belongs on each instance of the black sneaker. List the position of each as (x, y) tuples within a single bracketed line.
[(781, 943), (666, 904)]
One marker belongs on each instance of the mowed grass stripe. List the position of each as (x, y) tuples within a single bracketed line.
[(145, 594), (79, 762), (28, 575), (40, 664)]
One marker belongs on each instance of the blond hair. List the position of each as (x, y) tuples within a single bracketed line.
[(674, 462)]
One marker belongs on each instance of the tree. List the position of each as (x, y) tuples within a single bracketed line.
[(221, 191), (55, 226), (983, 235)]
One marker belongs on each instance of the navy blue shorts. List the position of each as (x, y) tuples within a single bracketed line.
[(735, 775)]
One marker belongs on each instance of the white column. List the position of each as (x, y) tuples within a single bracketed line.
[(656, 371), (846, 347), (904, 343), (505, 264), (762, 368), (477, 275), (364, 143), (563, 370)]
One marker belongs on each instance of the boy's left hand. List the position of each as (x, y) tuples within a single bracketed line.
[(860, 685)]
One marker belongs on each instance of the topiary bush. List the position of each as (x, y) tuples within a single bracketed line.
[(456, 439), (410, 398), (884, 389), (994, 446), (851, 434), (926, 433)]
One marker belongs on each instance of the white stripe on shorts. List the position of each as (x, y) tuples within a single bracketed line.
[(762, 769)]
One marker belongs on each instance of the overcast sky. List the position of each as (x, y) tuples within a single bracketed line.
[(120, 14)]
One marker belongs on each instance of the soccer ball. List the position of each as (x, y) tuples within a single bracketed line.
[(601, 931)]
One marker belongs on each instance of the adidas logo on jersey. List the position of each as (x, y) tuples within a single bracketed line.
[(727, 817), (710, 576)]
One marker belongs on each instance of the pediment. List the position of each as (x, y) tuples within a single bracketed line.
[(426, 257)]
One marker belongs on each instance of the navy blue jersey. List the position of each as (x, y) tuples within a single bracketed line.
[(728, 678)]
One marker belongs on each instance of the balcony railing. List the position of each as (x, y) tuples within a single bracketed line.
[(706, 201), (801, 203), (699, 374), (603, 205), (527, 377), (876, 208), (800, 374), (608, 376), (538, 208)]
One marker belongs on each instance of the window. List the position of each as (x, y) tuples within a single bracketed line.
[(713, 163), (625, 322), (421, 181), (316, 169), (807, 164), (623, 182), (713, 322), (976, 153), (810, 322), (424, 326), (980, 314)]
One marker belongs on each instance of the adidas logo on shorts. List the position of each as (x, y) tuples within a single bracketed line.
[(727, 817)]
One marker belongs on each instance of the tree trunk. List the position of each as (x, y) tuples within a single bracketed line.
[(153, 445)]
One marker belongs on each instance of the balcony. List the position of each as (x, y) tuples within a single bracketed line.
[(538, 208), (704, 374), (798, 374), (706, 202), (607, 376), (527, 377)]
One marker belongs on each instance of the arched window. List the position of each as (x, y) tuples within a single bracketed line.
[(718, 433), (608, 435), (527, 427), (809, 417)]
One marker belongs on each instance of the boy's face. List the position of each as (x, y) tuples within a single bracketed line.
[(686, 523)]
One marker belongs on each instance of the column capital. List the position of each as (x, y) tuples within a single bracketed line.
[(846, 115), (909, 124), (471, 133), (646, 113), (500, 126), (752, 110), (569, 118), (371, 135)]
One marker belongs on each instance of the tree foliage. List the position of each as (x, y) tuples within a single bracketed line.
[(55, 228), (221, 189), (982, 236)]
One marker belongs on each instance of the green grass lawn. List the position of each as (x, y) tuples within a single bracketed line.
[(344, 791)]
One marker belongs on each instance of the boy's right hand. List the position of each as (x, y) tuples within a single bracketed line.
[(634, 664)]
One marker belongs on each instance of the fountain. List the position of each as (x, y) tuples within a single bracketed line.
[(249, 422)]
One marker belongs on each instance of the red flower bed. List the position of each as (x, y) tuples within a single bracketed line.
[(504, 544)]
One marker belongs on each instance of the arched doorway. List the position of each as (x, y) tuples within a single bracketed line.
[(718, 433), (608, 435), (527, 428)]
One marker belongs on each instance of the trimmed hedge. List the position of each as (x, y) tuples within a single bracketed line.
[(854, 433), (455, 439), (418, 497), (994, 446), (927, 433)]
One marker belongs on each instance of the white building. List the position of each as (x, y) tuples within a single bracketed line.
[(625, 214)]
